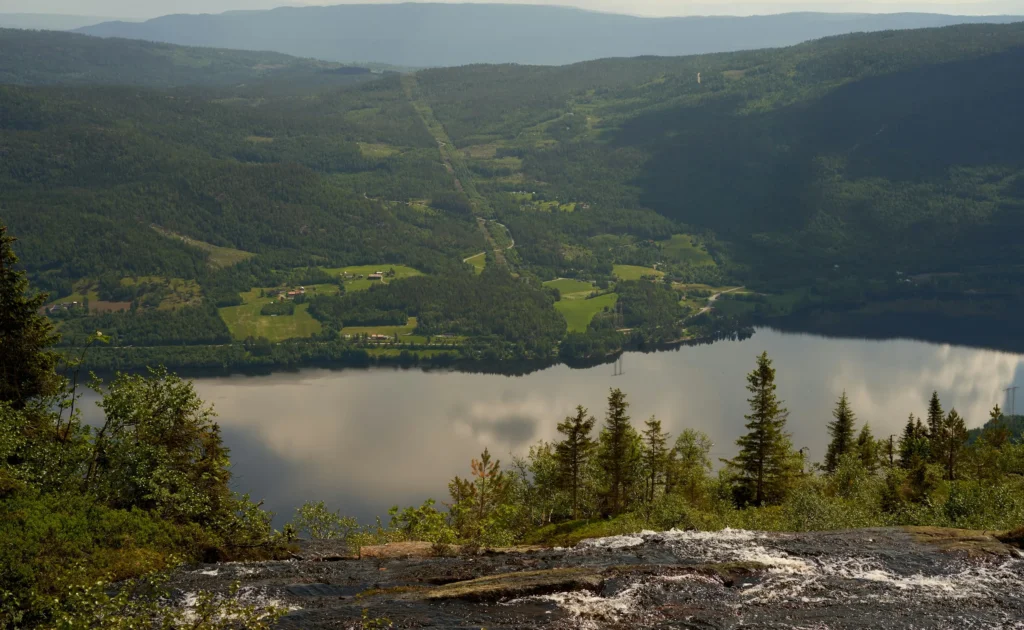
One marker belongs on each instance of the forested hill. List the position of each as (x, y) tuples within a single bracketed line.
[(428, 35), (876, 153), (48, 57)]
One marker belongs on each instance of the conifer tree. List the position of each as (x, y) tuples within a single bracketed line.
[(26, 361), (949, 443), (618, 453), (474, 499), (867, 449), (765, 464), (655, 455), (995, 433), (913, 443), (574, 452), (936, 417), (841, 430)]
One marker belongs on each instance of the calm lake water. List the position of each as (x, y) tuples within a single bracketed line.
[(366, 440)]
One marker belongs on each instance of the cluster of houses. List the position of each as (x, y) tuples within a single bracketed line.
[(287, 294)]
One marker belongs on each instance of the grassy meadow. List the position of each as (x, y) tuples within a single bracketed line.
[(246, 321), (579, 313)]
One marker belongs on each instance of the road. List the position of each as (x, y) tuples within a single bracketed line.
[(713, 299)]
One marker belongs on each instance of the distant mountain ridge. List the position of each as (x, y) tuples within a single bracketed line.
[(49, 21), (433, 35)]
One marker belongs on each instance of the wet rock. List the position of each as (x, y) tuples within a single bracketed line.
[(972, 543), (521, 584)]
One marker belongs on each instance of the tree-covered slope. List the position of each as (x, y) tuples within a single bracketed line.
[(428, 35), (890, 151), (44, 58)]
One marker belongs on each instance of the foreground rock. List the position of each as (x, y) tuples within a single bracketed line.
[(875, 578)]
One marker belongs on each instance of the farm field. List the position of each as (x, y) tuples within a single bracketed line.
[(403, 331), (218, 257), (362, 284), (579, 313), (571, 289), (682, 249), (246, 321), (479, 262), (632, 272)]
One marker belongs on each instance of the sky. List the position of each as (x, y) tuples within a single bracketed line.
[(144, 9)]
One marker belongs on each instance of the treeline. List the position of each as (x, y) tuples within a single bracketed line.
[(627, 478), (191, 325), (493, 304), (84, 506)]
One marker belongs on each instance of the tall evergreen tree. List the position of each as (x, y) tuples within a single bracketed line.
[(913, 443), (841, 430), (936, 417), (574, 452), (867, 449), (765, 464), (949, 443), (618, 453), (26, 361), (655, 455), (996, 433)]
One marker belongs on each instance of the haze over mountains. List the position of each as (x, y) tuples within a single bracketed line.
[(426, 35)]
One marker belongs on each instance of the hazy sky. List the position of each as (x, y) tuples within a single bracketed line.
[(152, 8)]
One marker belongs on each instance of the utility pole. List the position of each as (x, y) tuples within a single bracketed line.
[(619, 370), (892, 452), (1011, 399)]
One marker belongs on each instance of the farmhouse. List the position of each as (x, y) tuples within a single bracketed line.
[(376, 276)]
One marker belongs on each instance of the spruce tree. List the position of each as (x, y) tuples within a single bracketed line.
[(949, 443), (841, 430), (764, 466), (26, 362), (867, 449), (574, 452), (913, 443), (936, 417), (655, 455), (618, 453)]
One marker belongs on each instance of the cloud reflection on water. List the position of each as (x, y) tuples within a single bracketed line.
[(364, 440)]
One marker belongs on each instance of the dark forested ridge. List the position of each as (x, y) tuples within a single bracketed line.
[(603, 205), (45, 57), (408, 34)]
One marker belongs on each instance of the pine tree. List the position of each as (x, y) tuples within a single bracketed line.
[(655, 455), (574, 452), (912, 443), (995, 433), (764, 466), (936, 417), (618, 453), (474, 500), (26, 362), (949, 443), (841, 430), (867, 449)]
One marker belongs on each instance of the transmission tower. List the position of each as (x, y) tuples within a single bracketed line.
[(1011, 399)]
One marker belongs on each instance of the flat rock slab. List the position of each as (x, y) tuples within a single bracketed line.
[(520, 584)]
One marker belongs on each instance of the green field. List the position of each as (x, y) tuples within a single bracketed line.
[(217, 256), (245, 320), (578, 313), (571, 289), (403, 331), (632, 272), (362, 284), (479, 262), (681, 249)]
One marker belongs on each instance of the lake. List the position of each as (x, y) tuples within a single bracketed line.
[(366, 440)]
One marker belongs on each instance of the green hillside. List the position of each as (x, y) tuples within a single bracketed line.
[(868, 173), (882, 152)]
